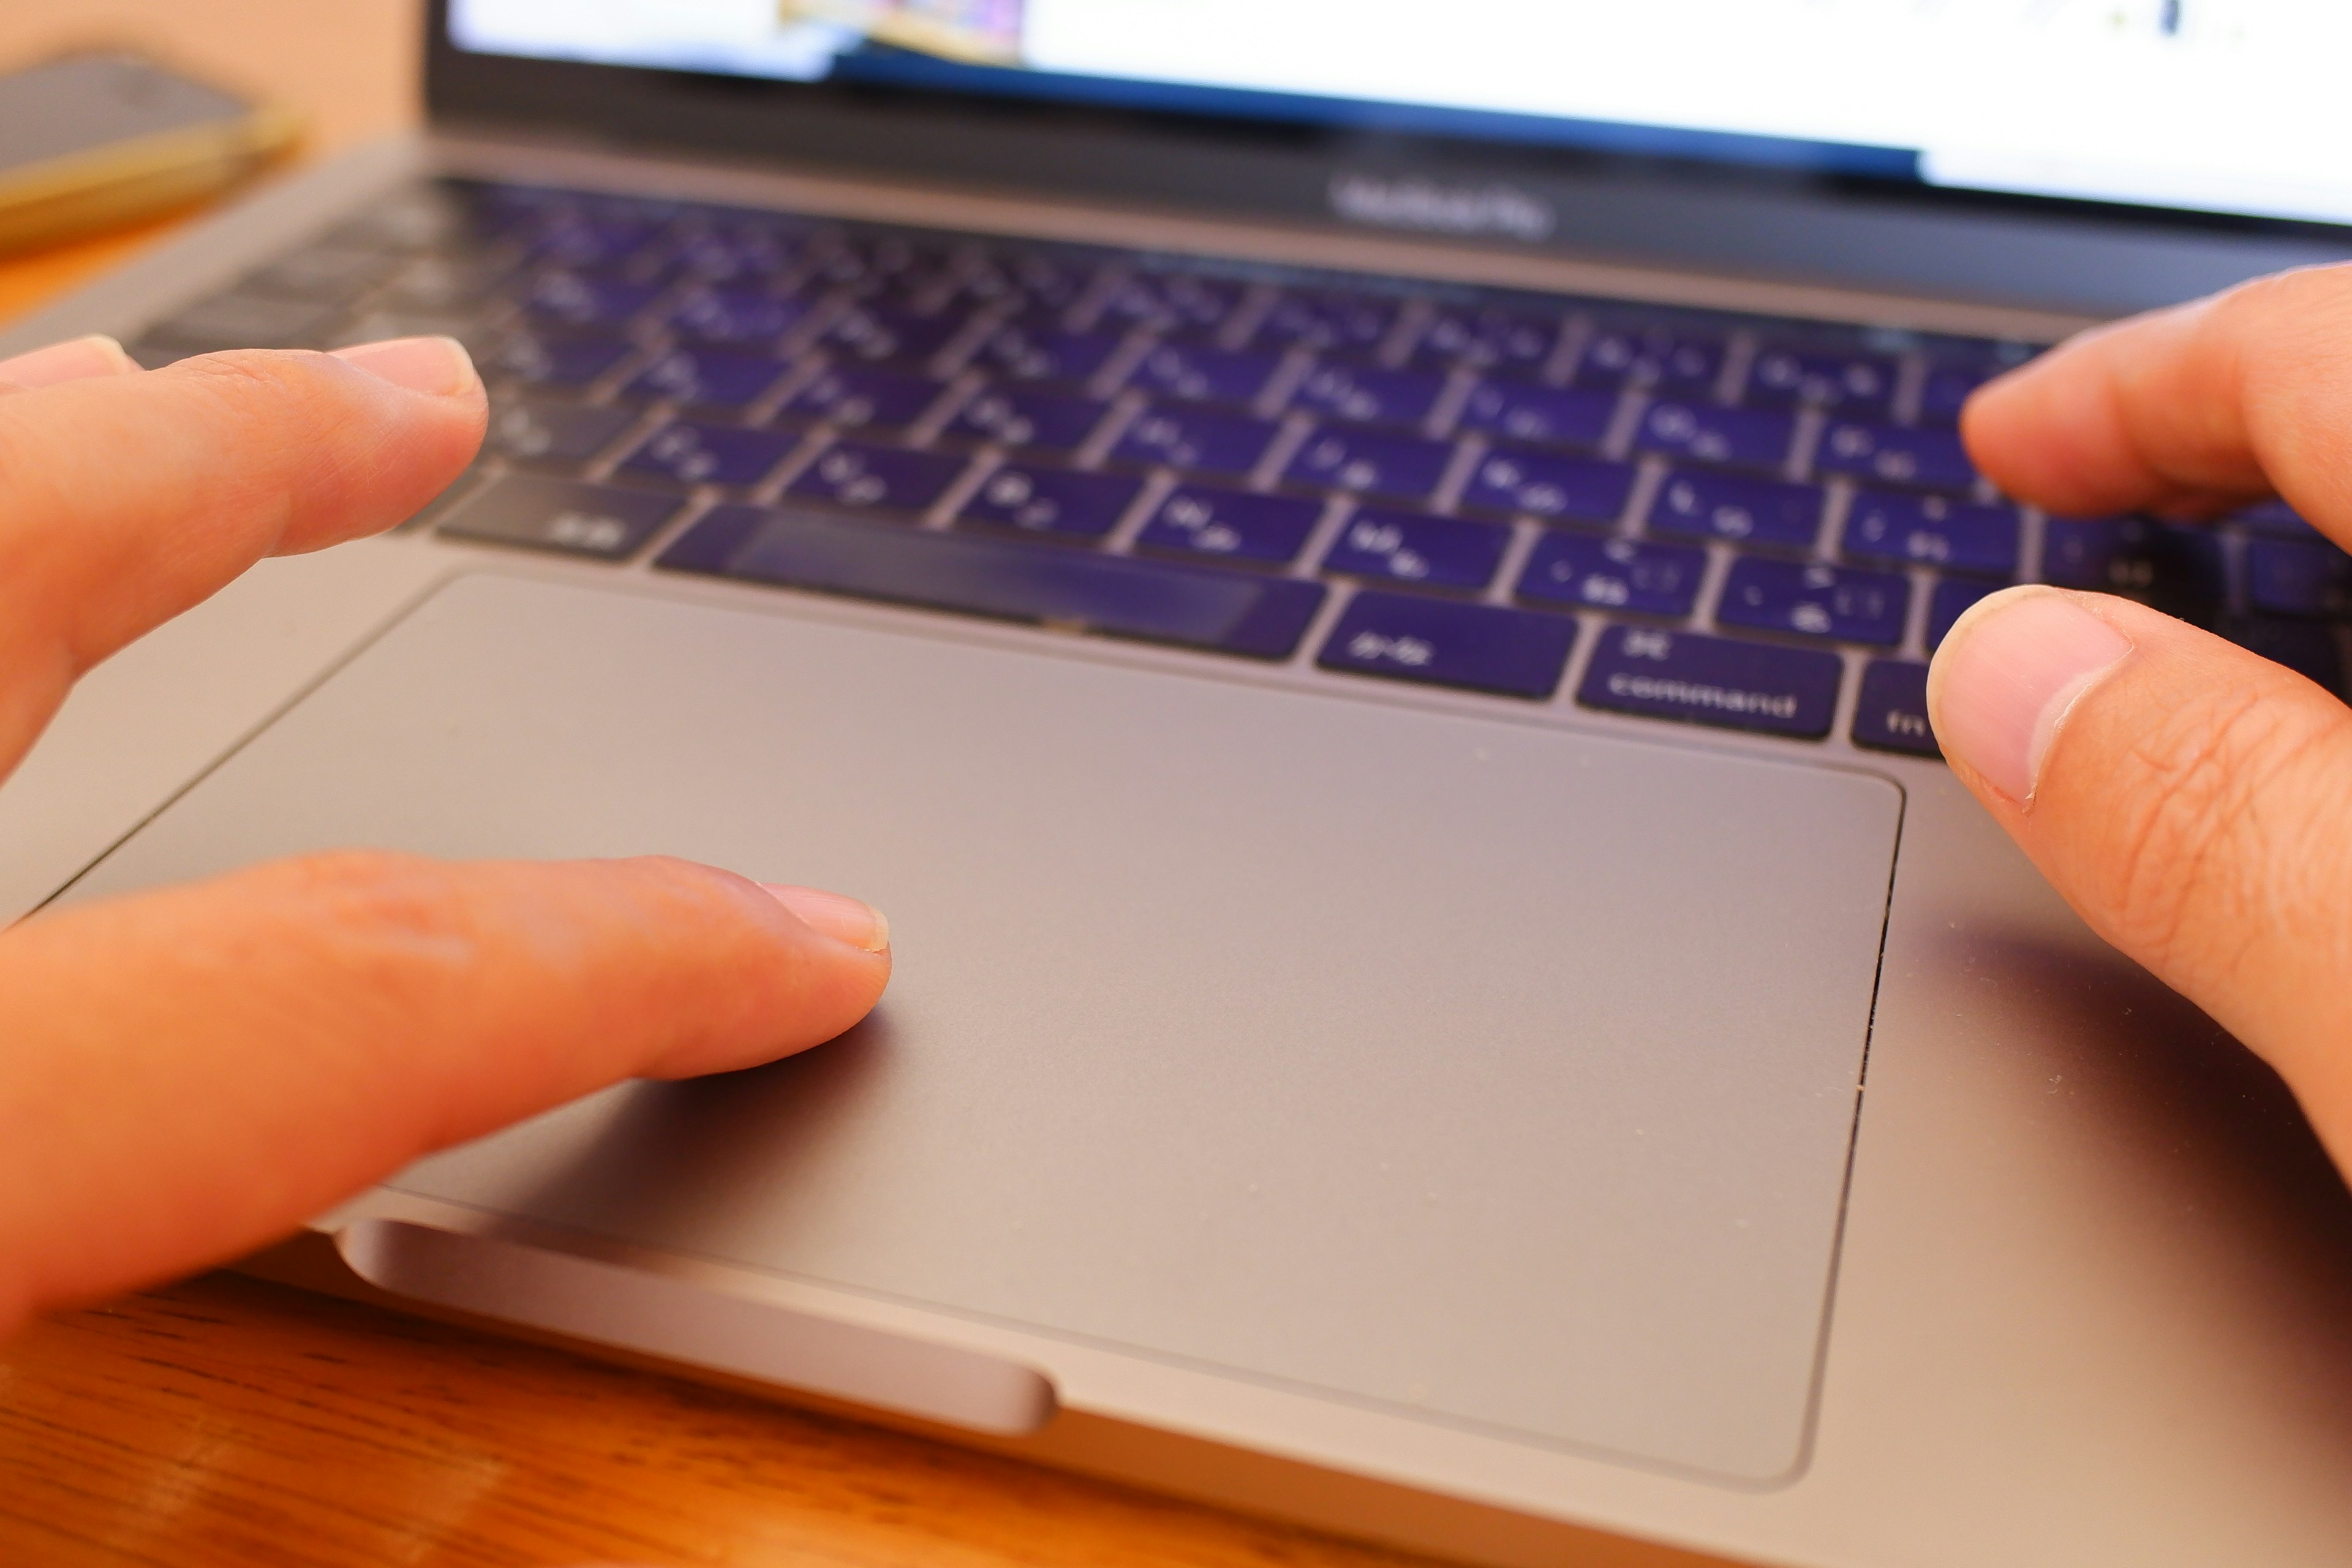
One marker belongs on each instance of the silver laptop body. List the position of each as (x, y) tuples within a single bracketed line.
[(1341, 1065)]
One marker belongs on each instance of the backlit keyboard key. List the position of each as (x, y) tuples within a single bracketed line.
[(1039, 499), (1739, 437), (2180, 571), (1647, 356), (1235, 525), (2290, 577), (1613, 574), (719, 315), (1510, 340), (1043, 421), (1201, 375), (1695, 504), (1933, 531), (1950, 601), (1199, 439), (1030, 353), (1181, 302), (1710, 681), (1350, 323), (1367, 396), (1858, 385), (1890, 710), (568, 516), (1930, 460), (876, 334), (2278, 519), (1816, 601), (1400, 467), (1239, 613), (712, 453), (1548, 416), (1547, 485), (1411, 547), (541, 431), (1441, 642), (863, 399), (708, 378), (548, 359), (862, 477), (576, 299)]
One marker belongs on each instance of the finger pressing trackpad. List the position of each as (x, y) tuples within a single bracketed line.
[(1489, 1073)]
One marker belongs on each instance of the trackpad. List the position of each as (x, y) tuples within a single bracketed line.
[(1492, 1074)]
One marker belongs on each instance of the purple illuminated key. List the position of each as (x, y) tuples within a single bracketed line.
[(712, 453), (1696, 504), (1350, 323), (876, 334), (736, 316), (1510, 340), (607, 522), (1024, 354), (1403, 468), (1613, 574), (1441, 642), (2290, 577), (1172, 302), (584, 300), (1930, 460), (2180, 571), (860, 398), (1369, 396), (1198, 440), (1547, 485), (1816, 601), (1044, 421), (1741, 437), (1728, 684), (1551, 415), (1645, 356), (1861, 384), (1947, 391), (1411, 547), (549, 360), (1933, 530), (1949, 602), (2277, 518), (866, 477), (1201, 374), (1039, 499), (710, 378), (1890, 711), (540, 431), (1236, 525)]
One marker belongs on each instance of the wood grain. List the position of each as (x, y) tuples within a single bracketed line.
[(229, 1423)]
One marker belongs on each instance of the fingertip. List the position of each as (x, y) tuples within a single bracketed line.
[(83, 359), (851, 921), (433, 366)]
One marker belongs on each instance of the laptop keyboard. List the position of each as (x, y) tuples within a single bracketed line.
[(1730, 518)]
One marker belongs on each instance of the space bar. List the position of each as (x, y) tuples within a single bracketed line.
[(1230, 612)]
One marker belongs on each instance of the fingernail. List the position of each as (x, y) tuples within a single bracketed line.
[(438, 367), (2008, 675), (842, 918), (84, 359)]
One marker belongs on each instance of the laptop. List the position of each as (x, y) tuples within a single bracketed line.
[(1357, 581)]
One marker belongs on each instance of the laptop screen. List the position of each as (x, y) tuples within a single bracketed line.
[(2218, 106)]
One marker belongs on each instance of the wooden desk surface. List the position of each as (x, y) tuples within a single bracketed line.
[(228, 1424)]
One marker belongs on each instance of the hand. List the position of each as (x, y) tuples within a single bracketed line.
[(2191, 801), (190, 1073)]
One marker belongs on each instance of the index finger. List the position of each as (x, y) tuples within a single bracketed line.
[(2188, 411)]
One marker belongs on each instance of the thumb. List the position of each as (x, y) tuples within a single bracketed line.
[(2191, 801)]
